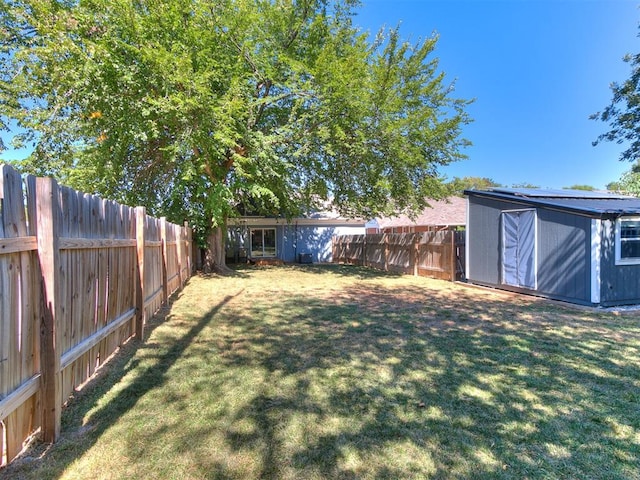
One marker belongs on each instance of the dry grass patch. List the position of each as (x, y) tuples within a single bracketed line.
[(341, 372)]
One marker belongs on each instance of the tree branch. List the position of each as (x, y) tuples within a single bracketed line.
[(294, 32)]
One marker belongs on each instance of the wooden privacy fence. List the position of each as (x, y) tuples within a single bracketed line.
[(79, 275), (438, 254)]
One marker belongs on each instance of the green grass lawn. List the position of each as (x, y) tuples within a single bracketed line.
[(340, 372)]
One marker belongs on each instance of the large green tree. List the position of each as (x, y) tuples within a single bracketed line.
[(200, 109), (623, 113)]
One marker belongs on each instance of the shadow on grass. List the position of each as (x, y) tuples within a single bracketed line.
[(374, 381), (341, 270), (478, 391), (110, 375)]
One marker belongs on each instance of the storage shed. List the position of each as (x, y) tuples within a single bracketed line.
[(577, 246)]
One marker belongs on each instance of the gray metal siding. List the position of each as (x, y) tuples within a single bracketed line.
[(563, 249), (620, 284), (564, 255), (483, 238)]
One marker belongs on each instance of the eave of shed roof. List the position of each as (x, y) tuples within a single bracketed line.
[(564, 193), (595, 204)]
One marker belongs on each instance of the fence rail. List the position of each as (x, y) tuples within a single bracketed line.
[(79, 275), (438, 254)]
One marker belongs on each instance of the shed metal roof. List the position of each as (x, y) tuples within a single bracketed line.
[(576, 201), (564, 193)]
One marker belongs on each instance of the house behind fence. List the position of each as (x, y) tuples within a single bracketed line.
[(78, 277), (446, 214)]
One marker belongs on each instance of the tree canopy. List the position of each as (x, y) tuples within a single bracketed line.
[(199, 110), (629, 182), (587, 188), (623, 113), (459, 184)]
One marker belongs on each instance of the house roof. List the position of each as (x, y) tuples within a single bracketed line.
[(320, 217), (451, 211), (590, 203)]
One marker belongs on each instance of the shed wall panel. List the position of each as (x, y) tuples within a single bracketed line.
[(483, 237), (564, 255)]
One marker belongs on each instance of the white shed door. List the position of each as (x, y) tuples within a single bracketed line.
[(519, 248)]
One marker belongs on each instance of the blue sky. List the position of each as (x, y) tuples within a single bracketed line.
[(537, 69)]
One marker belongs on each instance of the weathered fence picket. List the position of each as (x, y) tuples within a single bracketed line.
[(78, 277), (19, 317)]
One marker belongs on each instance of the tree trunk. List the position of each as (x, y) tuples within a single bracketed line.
[(214, 258)]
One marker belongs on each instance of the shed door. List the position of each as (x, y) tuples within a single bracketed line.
[(519, 248)]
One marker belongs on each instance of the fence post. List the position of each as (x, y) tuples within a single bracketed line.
[(347, 252), (364, 251), (163, 239), (180, 254), (140, 238), (48, 226), (453, 255), (416, 253), (188, 248), (386, 252)]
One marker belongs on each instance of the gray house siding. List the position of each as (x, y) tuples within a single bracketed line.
[(620, 284), (292, 239), (305, 239), (317, 241)]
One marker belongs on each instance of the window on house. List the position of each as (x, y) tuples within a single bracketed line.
[(628, 241), (263, 242)]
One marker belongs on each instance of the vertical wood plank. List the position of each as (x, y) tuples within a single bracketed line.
[(5, 319), (179, 255), (416, 253), (5, 328), (364, 251), (140, 231), (386, 252), (188, 250), (34, 277), (3, 444), (47, 214), (19, 425), (452, 259), (165, 258), (132, 259)]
